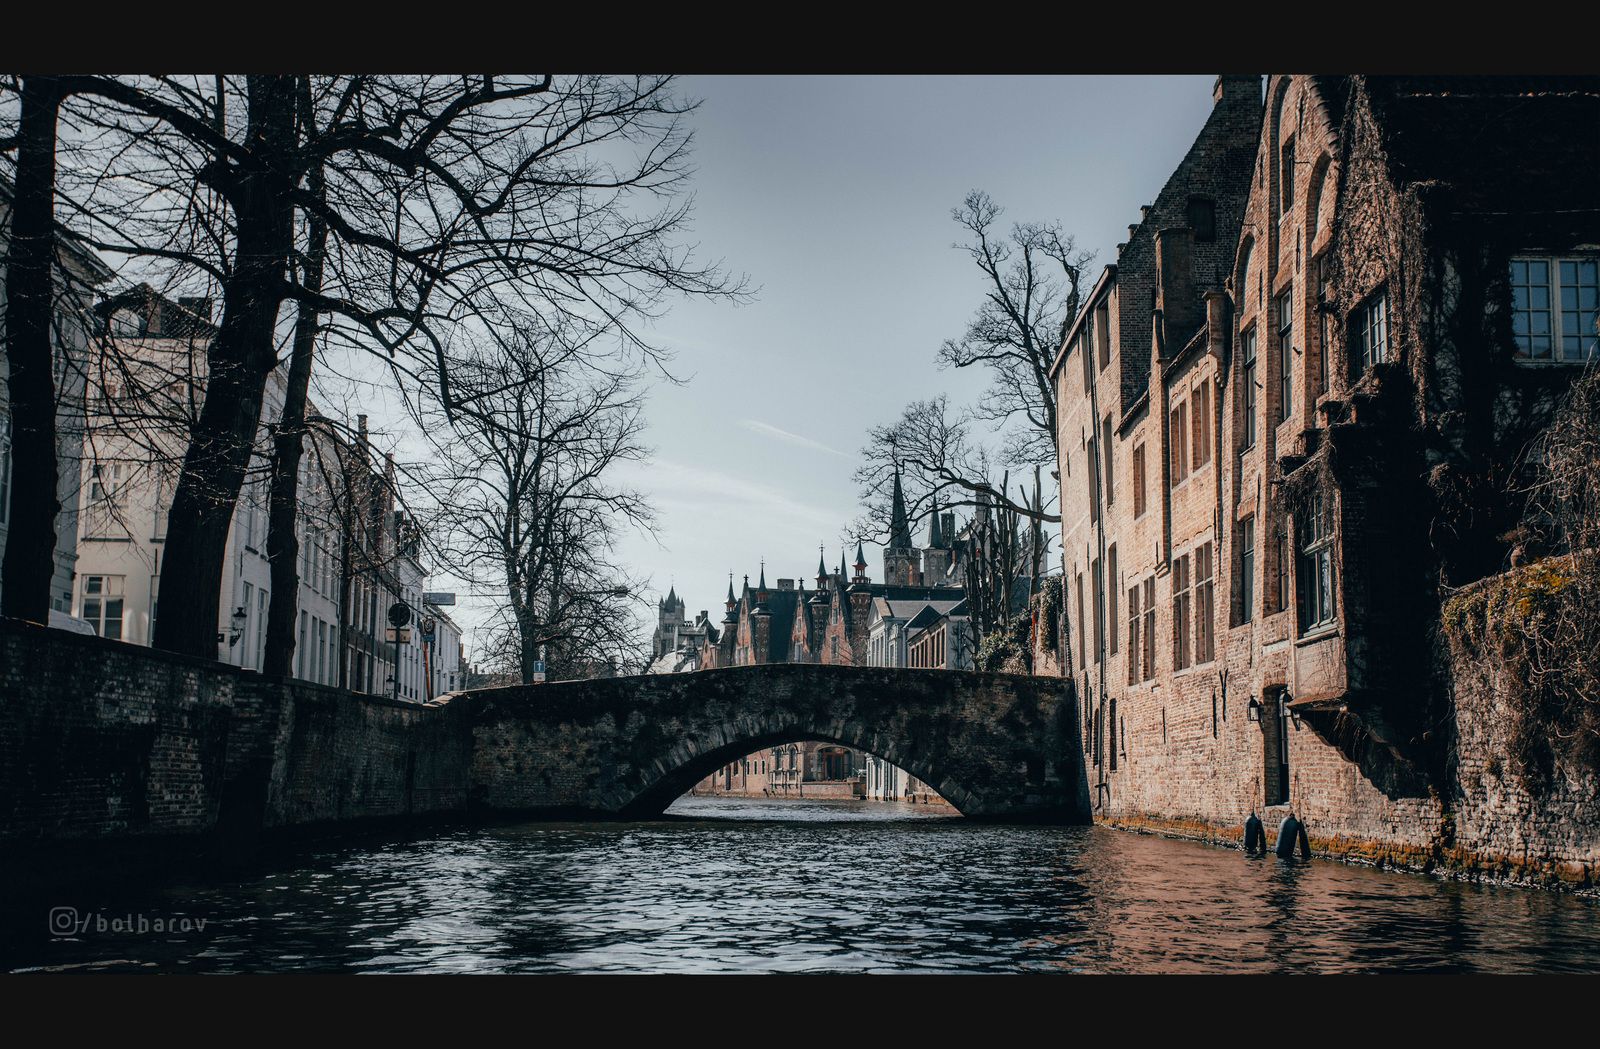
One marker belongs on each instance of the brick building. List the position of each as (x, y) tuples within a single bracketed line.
[(1288, 415)]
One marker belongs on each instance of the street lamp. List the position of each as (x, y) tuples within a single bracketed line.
[(239, 619)]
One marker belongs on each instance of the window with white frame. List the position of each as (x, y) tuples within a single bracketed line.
[(1555, 305), (102, 604), (106, 517), (1372, 331)]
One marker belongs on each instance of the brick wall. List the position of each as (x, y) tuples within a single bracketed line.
[(105, 740)]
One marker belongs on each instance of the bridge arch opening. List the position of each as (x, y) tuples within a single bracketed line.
[(834, 761), (812, 770)]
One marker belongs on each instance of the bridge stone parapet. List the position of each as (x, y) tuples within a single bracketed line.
[(996, 746)]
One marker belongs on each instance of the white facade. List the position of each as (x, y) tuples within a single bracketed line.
[(75, 294), (129, 476)]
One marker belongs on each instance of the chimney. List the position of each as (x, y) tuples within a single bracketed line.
[(786, 584), (1244, 87), (1217, 304), (1175, 296), (200, 307)]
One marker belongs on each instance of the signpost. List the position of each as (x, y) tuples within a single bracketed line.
[(538, 672), (427, 626), (399, 616), (438, 599)]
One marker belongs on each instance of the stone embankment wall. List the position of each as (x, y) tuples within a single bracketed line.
[(104, 740), (1361, 799)]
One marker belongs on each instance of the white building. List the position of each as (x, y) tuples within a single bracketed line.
[(358, 555), (75, 283)]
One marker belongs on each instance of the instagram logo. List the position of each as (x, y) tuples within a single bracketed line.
[(63, 921)]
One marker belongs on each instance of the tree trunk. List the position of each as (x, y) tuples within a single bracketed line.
[(31, 542), (241, 358), (283, 546)]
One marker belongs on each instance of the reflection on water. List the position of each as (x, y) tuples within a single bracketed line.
[(751, 885)]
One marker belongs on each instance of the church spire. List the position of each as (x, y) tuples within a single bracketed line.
[(899, 529), (935, 539), (822, 569)]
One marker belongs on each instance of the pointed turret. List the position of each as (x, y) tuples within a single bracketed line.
[(731, 599), (900, 561), (761, 588), (822, 569), (935, 539), (899, 528)]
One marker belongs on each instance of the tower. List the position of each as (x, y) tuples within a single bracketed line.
[(900, 566)]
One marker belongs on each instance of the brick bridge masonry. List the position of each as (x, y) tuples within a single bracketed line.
[(996, 746), (109, 749)]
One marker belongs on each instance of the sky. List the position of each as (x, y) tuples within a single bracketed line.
[(833, 195)]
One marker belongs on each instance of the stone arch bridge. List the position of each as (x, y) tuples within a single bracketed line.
[(1000, 747)]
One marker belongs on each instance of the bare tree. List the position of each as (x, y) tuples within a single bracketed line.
[(445, 198), (524, 502), (1031, 279)]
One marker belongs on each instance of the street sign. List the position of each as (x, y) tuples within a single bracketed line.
[(439, 598), (399, 614), (538, 671), (398, 635)]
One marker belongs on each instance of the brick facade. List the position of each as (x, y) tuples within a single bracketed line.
[(1256, 404)]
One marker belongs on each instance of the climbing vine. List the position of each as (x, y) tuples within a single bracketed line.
[(1532, 635)]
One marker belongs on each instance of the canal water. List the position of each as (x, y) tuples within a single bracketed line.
[(752, 885)]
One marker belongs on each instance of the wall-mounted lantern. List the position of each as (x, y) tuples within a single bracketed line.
[(239, 619), (1254, 711)]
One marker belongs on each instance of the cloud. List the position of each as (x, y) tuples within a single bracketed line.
[(785, 435)]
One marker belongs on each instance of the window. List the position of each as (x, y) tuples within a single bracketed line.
[(1085, 335), (1150, 628), (155, 604), (1286, 354), (105, 501), (1105, 444), (1247, 569), (1286, 179), (1204, 642), (1138, 480), (1180, 612), (1540, 288), (1178, 438), (1372, 331), (1325, 325), (1203, 219), (261, 630), (1134, 651), (1082, 627), (1098, 582), (1247, 353), (1092, 455), (102, 604), (245, 635), (1102, 334), (1283, 570), (1111, 619), (1202, 424), (1316, 564)]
